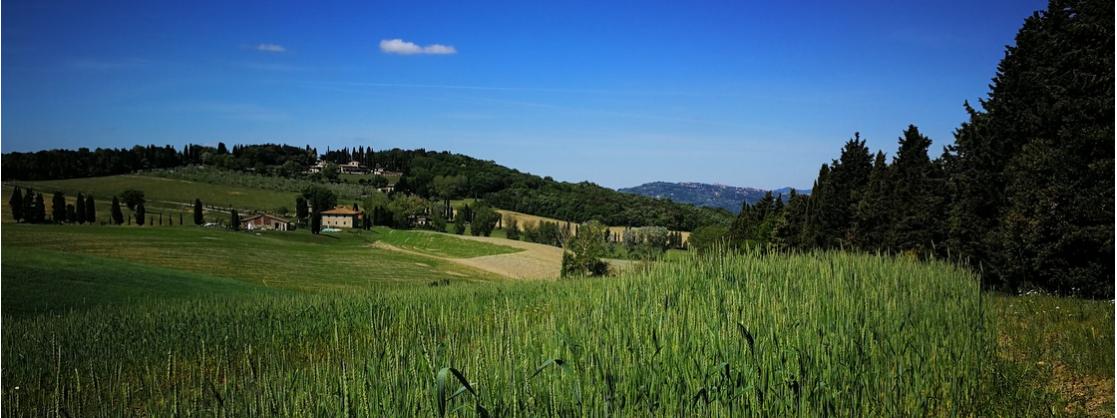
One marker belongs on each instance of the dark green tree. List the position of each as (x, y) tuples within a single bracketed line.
[(315, 221), (132, 198), (1032, 172), (484, 220), (199, 216), (583, 256), (140, 214), (234, 220), (40, 209), (29, 210), (787, 233), (300, 209), (15, 202), (916, 220), (873, 217), (117, 214), (58, 207), (848, 177), (90, 209), (79, 205)]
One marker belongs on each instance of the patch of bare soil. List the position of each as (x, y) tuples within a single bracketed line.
[(536, 261), (1092, 396)]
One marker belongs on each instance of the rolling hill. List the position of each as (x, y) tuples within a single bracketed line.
[(705, 194)]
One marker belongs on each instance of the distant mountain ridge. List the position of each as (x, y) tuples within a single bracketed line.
[(705, 194)]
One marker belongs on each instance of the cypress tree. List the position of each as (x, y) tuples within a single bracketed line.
[(58, 207), (915, 217), (316, 221), (848, 177), (1032, 173), (15, 202), (90, 209), (234, 220), (199, 217), (79, 205), (140, 214), (117, 214), (873, 218), (29, 206), (787, 230), (300, 209), (40, 209), (811, 234)]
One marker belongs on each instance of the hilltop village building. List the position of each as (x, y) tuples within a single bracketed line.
[(353, 167), (340, 217)]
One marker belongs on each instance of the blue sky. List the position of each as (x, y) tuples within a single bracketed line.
[(751, 94)]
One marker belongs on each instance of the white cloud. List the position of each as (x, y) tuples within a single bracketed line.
[(275, 48), (439, 49), (402, 47)]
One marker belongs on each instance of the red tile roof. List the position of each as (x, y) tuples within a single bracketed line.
[(340, 211)]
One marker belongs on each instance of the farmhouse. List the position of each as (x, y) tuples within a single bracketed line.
[(265, 222), (317, 167), (353, 167), (340, 217)]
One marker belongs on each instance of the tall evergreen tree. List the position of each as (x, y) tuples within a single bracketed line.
[(79, 205), (916, 184), (787, 232), (315, 221), (117, 214), (300, 209), (141, 213), (873, 219), (811, 233), (90, 209), (199, 217), (29, 210), (234, 220), (58, 207), (15, 202), (1032, 172), (836, 194), (40, 209)]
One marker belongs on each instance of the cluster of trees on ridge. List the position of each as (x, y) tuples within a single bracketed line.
[(1024, 195), (428, 174), (28, 206)]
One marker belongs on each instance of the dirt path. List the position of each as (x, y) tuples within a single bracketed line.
[(536, 261)]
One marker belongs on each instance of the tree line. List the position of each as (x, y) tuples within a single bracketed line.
[(428, 174), (1024, 195)]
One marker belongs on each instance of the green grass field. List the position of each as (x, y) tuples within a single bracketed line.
[(192, 321), (292, 261), (439, 245), (164, 192), (111, 320)]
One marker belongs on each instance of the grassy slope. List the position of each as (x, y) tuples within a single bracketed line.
[(1062, 347), (164, 192), (198, 276), (648, 344), (292, 260), (440, 244), (39, 281)]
